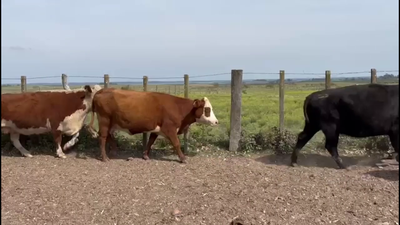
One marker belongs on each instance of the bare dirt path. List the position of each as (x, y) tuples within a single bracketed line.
[(206, 190)]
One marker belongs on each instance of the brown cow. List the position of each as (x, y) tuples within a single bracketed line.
[(59, 112), (137, 112)]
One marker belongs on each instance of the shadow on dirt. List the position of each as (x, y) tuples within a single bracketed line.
[(390, 175), (155, 154), (322, 161)]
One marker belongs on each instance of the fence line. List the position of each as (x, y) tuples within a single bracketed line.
[(215, 74), (236, 94)]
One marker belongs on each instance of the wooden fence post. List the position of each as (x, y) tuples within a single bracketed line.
[(23, 84), (145, 134), (327, 79), (186, 133), (106, 80), (236, 109), (374, 79), (64, 80), (281, 100)]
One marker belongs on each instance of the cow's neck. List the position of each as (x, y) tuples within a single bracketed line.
[(187, 121), (189, 117)]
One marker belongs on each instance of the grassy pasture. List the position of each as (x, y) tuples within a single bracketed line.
[(260, 107)]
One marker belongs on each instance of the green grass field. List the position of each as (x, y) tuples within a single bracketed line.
[(260, 107)]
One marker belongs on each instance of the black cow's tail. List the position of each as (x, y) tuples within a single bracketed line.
[(305, 109)]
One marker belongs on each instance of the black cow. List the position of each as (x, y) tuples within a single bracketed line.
[(357, 111)]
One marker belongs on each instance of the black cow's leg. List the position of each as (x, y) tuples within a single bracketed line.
[(394, 140), (331, 143), (152, 139), (305, 136)]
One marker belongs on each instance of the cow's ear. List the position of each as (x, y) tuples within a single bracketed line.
[(88, 89), (198, 103)]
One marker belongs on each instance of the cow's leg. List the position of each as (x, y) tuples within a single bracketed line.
[(331, 143), (71, 142), (57, 135), (15, 140), (152, 139), (305, 136), (113, 144), (173, 138), (104, 124), (394, 140)]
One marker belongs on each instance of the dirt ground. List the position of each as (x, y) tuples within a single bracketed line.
[(206, 190)]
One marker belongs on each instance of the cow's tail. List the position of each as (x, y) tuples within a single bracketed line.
[(91, 129), (305, 109)]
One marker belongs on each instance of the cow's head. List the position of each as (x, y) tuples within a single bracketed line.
[(203, 112), (91, 91)]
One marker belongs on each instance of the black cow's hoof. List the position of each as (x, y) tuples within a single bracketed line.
[(294, 165)]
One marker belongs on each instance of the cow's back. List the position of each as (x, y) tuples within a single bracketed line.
[(141, 110), (38, 109), (361, 110)]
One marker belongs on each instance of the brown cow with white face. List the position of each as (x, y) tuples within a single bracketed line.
[(57, 111), (137, 112)]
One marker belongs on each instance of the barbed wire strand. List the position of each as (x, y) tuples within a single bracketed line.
[(211, 75)]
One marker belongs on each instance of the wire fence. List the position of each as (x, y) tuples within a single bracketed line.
[(277, 95), (174, 84)]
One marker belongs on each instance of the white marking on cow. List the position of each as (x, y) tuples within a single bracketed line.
[(7, 126), (74, 122), (71, 142), (15, 140), (212, 119), (60, 152), (157, 130)]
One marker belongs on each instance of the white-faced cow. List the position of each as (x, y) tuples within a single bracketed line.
[(356, 111), (57, 111), (137, 112)]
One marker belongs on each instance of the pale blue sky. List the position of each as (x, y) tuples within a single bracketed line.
[(163, 38)]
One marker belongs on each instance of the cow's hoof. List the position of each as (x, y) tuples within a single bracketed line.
[(28, 155), (105, 159), (145, 157), (62, 156), (183, 160), (294, 165)]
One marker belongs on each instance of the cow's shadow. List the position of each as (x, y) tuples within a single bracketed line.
[(322, 161), (156, 154), (123, 154), (390, 175), (42, 145), (8, 150)]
